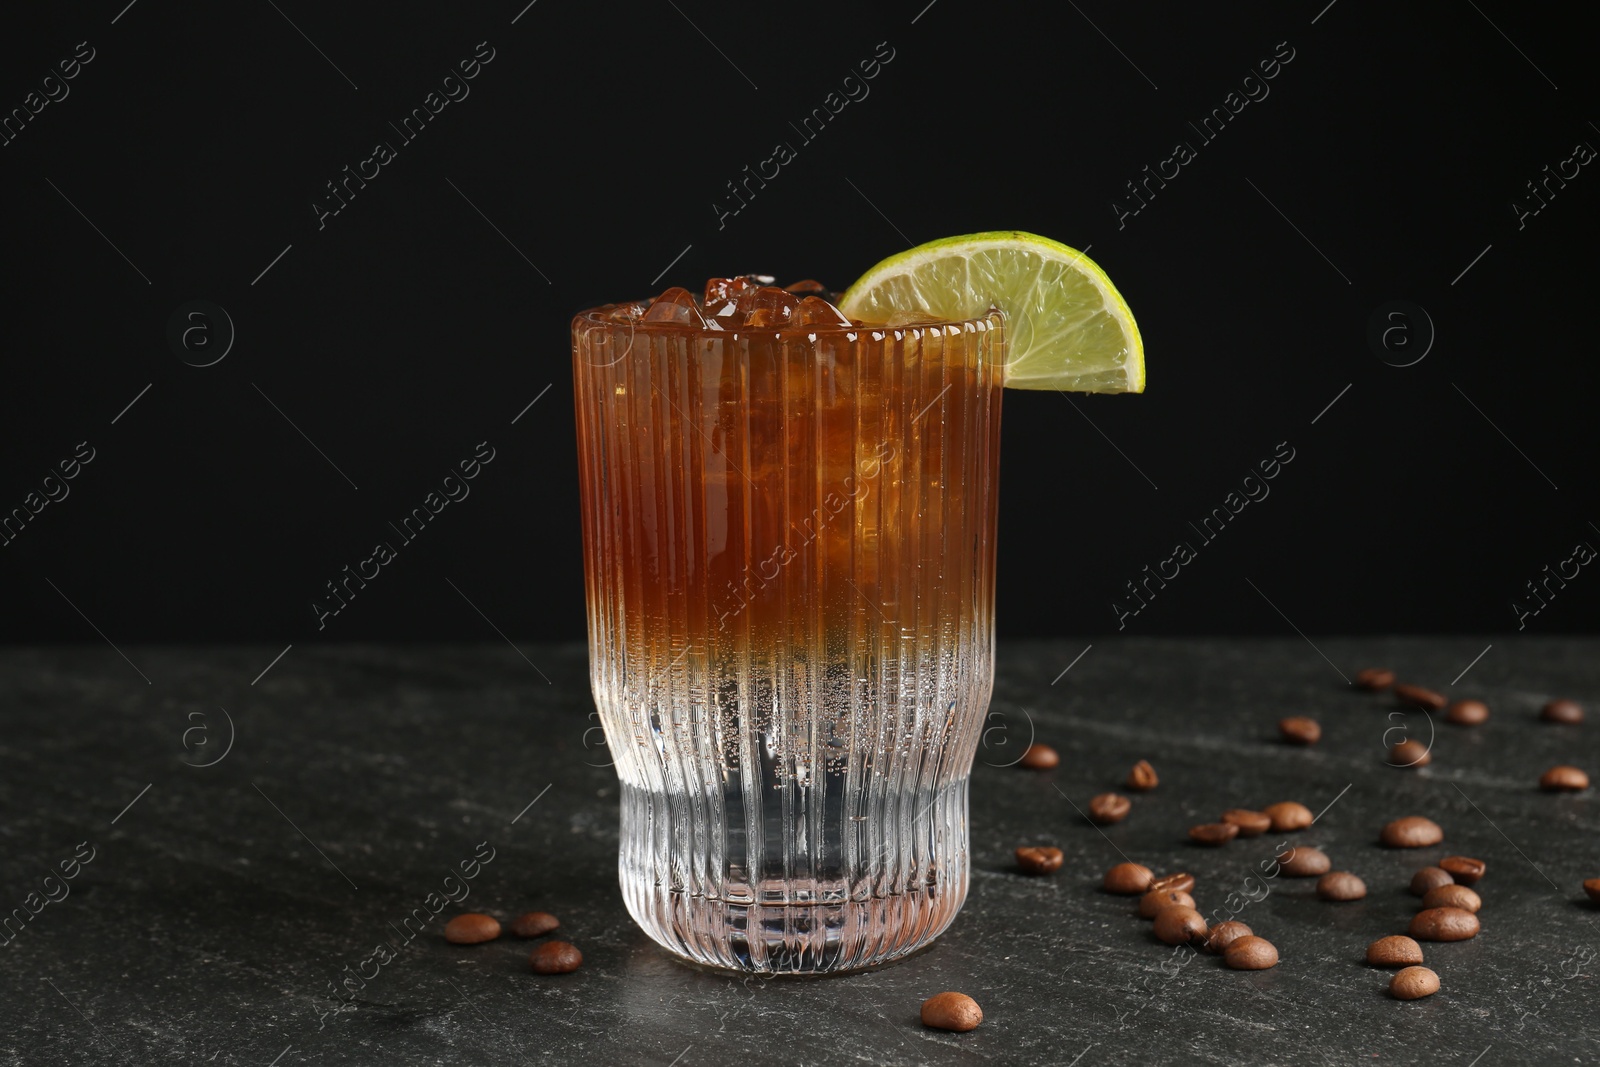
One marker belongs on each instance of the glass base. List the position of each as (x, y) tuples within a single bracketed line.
[(794, 940), (856, 894)]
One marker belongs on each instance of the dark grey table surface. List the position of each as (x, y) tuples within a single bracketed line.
[(220, 909)]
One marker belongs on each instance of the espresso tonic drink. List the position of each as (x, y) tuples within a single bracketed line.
[(789, 523)]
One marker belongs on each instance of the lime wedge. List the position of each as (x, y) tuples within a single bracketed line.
[(1068, 327)]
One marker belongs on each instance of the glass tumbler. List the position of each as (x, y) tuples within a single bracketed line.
[(789, 553)]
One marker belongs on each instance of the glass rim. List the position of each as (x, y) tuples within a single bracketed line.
[(596, 317)]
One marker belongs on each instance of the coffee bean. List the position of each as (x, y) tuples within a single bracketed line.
[(1251, 953), (1444, 924), (1467, 713), (1452, 896), (1125, 879), (1224, 934), (471, 929), (1250, 823), (1288, 815), (1375, 679), (951, 1011), (1341, 885), (1414, 696), (534, 924), (1213, 833), (1464, 869), (1107, 808), (556, 957), (1142, 778), (1413, 983), (1563, 711), (1299, 730), (1178, 924), (1413, 831), (1182, 881), (1151, 903), (1394, 951), (1410, 753), (1037, 757), (1563, 779), (1038, 859), (1429, 878), (1592, 887), (1304, 862)]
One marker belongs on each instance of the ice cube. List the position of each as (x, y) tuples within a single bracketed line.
[(810, 285), (766, 306), (816, 311), (629, 311), (720, 290), (676, 305)]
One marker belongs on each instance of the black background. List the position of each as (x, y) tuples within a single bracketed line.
[(415, 324)]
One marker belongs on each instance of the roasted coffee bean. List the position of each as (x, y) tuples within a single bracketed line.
[(1126, 879), (1429, 878), (1467, 713), (1182, 881), (1563, 779), (1464, 869), (951, 1011), (1037, 757), (1299, 730), (1414, 982), (1224, 934), (1394, 951), (1341, 885), (1250, 823), (1410, 753), (1413, 831), (1444, 924), (1452, 896), (1375, 679), (1107, 808), (1213, 833), (1038, 859), (1143, 778), (1288, 815), (1251, 953), (471, 929), (1563, 711), (1414, 696), (556, 957), (534, 924), (1592, 887), (1178, 924), (1151, 903), (1304, 862)]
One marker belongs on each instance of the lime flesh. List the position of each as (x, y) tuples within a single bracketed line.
[(1067, 326)]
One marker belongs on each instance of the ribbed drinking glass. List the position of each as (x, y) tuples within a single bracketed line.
[(789, 549)]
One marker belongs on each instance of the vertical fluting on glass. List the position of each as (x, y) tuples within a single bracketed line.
[(789, 565)]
